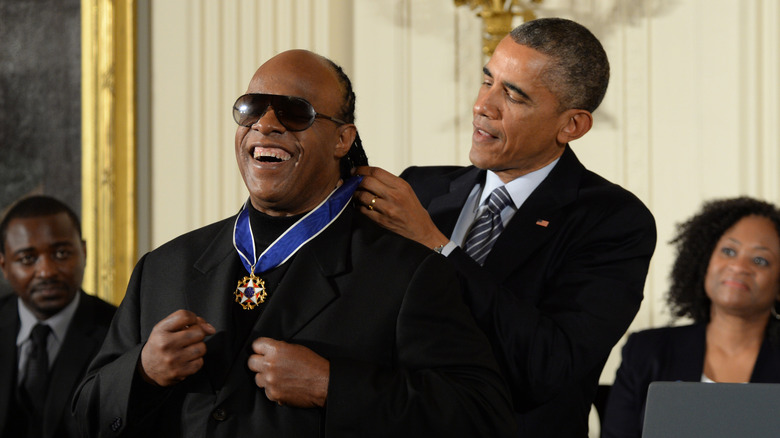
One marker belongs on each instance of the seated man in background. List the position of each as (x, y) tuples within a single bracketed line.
[(50, 329), (337, 327)]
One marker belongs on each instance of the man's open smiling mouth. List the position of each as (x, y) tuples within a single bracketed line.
[(270, 155)]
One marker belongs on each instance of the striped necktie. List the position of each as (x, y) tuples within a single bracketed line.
[(488, 226)]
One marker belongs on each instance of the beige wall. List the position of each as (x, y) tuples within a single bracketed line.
[(691, 112)]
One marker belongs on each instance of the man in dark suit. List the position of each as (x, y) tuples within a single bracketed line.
[(336, 327), (42, 256), (554, 264)]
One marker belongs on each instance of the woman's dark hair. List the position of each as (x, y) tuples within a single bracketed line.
[(695, 242), (356, 155)]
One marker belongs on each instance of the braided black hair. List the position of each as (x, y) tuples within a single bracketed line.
[(356, 155)]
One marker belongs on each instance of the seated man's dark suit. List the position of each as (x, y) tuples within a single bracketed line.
[(559, 288), (668, 354), (85, 335), (406, 357)]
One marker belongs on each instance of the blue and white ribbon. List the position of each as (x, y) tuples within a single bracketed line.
[(302, 231)]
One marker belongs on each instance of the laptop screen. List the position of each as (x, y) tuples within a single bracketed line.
[(695, 409)]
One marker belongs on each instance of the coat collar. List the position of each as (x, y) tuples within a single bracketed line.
[(306, 288), (445, 209), (76, 352), (323, 257), (545, 204), (538, 218), (686, 356), (767, 368), (304, 291), (213, 272)]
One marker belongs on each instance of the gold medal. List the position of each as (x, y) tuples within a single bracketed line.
[(250, 292)]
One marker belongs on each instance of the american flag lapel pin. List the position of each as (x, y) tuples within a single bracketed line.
[(542, 223)]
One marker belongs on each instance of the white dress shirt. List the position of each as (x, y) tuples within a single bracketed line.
[(58, 323), (519, 190)]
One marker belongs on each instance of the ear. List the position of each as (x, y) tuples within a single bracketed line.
[(773, 311), (3, 265), (574, 124), (347, 134), (776, 304)]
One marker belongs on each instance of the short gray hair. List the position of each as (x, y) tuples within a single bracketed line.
[(579, 73)]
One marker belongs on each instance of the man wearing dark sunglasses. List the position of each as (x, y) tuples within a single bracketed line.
[(552, 256), (297, 317)]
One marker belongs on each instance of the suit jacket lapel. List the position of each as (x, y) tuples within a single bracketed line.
[(767, 367), (685, 357), (71, 361), (545, 204), (9, 322), (685, 360), (445, 209), (214, 276)]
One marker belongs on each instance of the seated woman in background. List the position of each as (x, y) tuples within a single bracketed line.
[(726, 278)]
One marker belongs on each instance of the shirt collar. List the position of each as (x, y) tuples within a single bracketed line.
[(58, 323), (519, 188)]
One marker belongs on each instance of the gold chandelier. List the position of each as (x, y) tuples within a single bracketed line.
[(497, 18)]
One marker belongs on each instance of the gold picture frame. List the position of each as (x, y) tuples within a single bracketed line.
[(108, 182)]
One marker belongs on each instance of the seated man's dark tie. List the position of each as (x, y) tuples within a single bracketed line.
[(36, 378), (488, 226)]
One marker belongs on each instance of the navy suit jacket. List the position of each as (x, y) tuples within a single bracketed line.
[(82, 341), (406, 357), (559, 288), (667, 354)]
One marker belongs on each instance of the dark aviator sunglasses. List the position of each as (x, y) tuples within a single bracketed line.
[(294, 113)]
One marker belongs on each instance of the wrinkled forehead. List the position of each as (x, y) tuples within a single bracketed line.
[(299, 74)]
